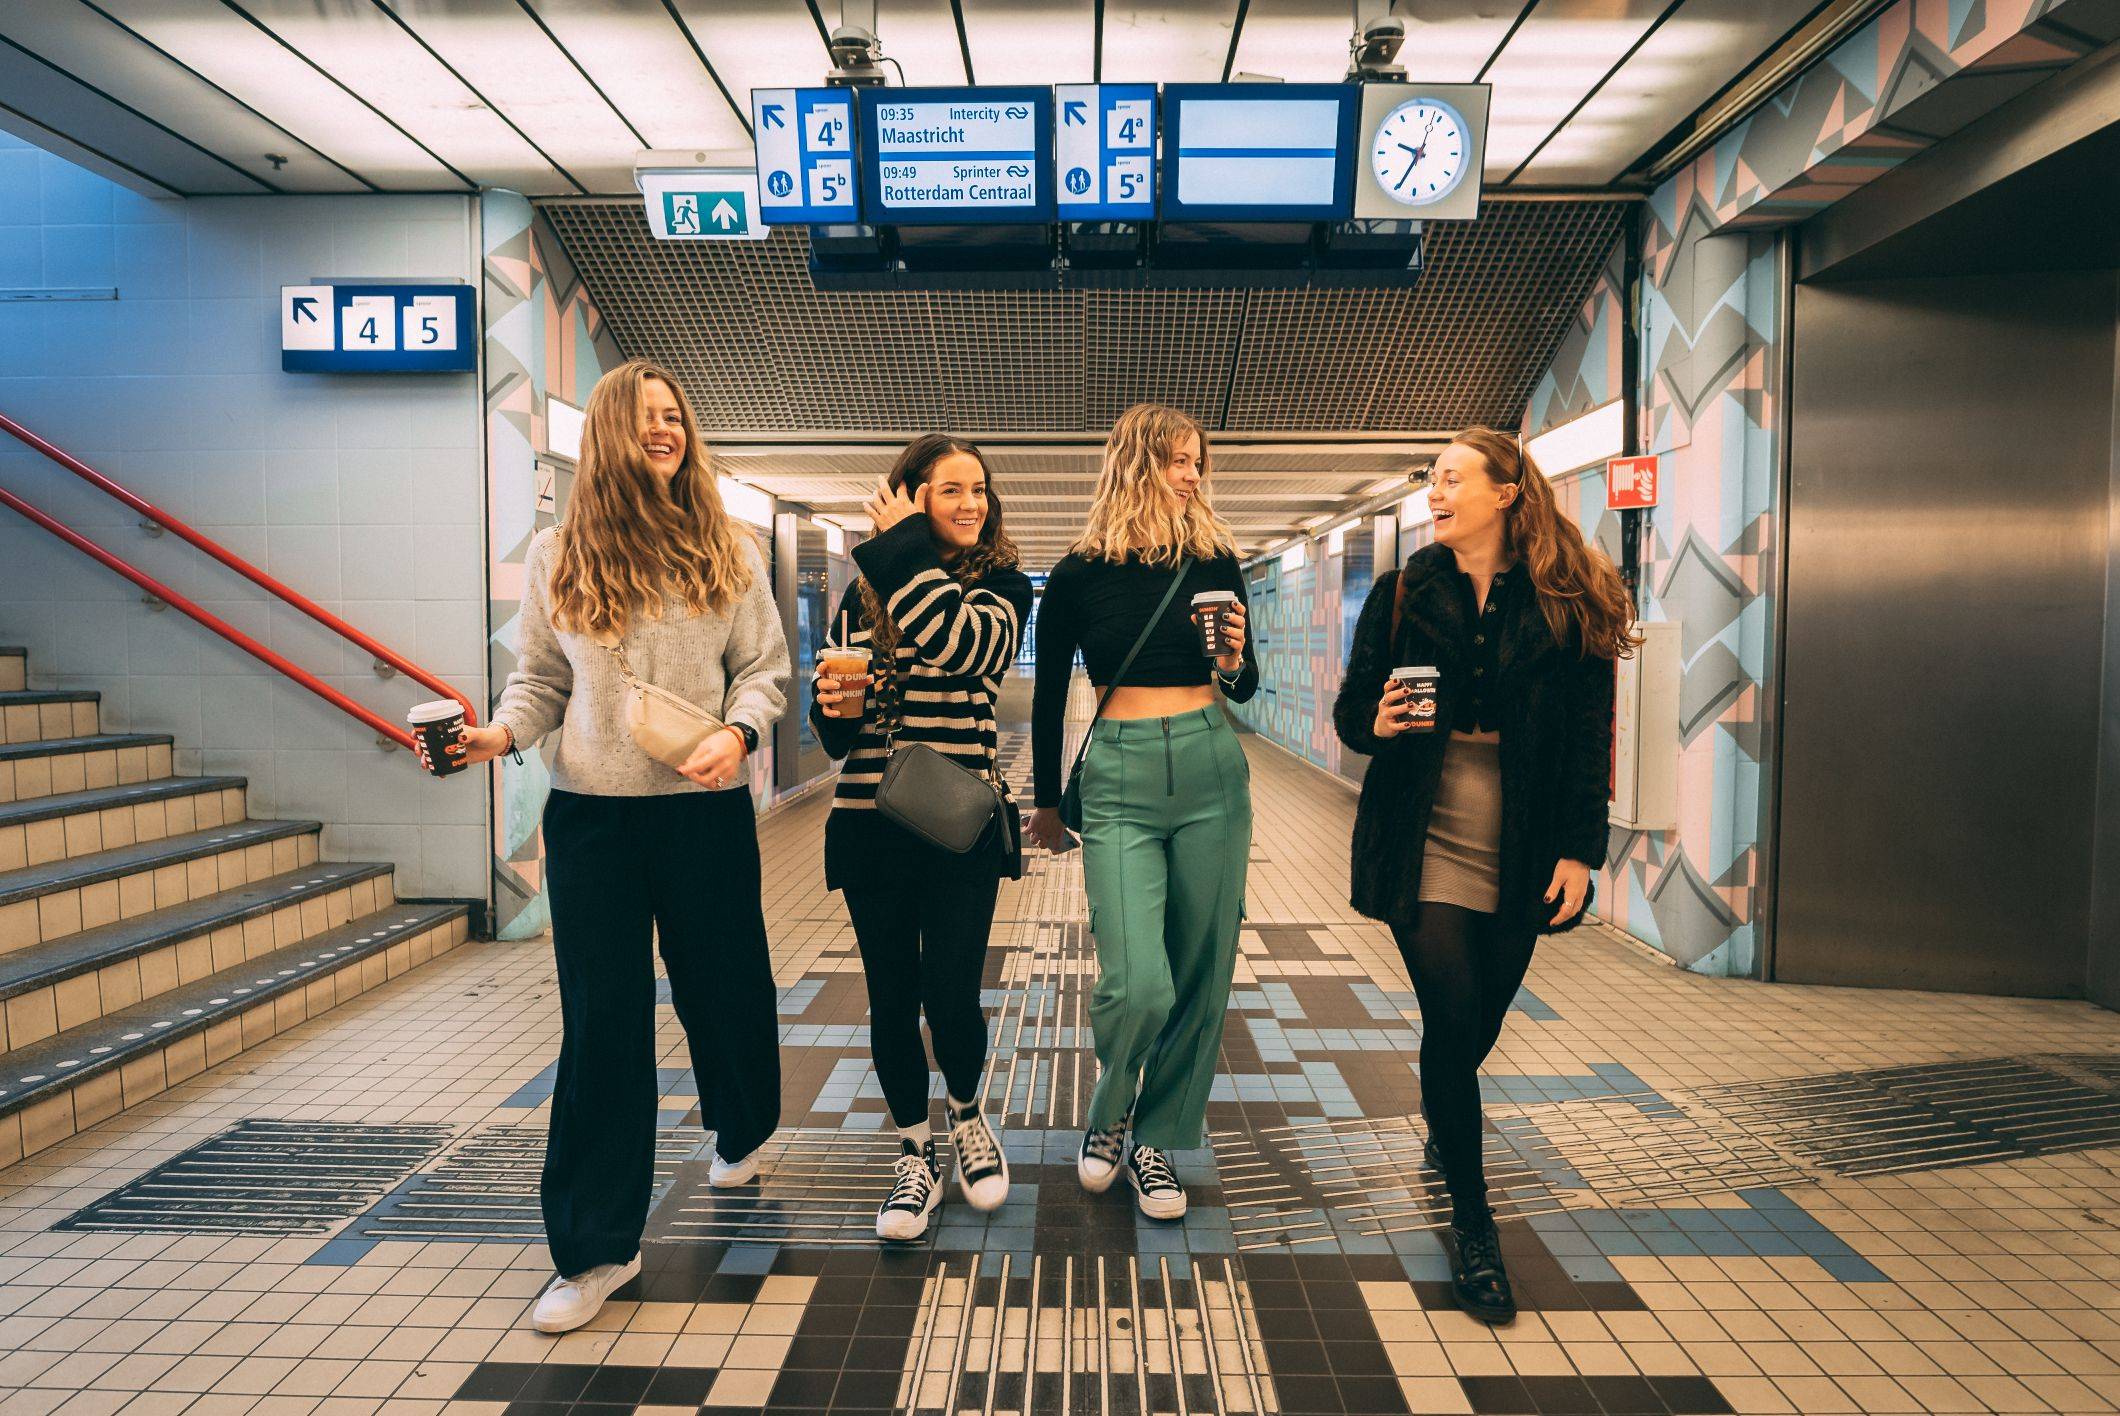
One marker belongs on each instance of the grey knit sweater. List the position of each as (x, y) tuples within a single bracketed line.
[(733, 664)]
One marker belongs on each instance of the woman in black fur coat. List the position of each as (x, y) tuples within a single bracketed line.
[(1482, 832)]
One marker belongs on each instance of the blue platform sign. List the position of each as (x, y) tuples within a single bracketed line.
[(949, 156), (805, 144), (1258, 152), (1104, 152), (378, 329)]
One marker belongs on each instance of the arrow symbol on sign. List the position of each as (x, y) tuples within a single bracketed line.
[(305, 308), (724, 215), (773, 115), (1076, 113)]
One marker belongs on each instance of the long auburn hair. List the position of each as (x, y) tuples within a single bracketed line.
[(1131, 514), (629, 542), (1580, 594), (992, 551)]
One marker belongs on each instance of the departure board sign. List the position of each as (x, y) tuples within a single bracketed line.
[(805, 142), (1104, 154), (950, 156), (1258, 152)]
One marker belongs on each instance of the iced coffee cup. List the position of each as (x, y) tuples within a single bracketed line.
[(1423, 683), (1210, 608), (846, 671), (439, 726)]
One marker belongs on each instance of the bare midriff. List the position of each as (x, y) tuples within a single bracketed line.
[(1131, 701)]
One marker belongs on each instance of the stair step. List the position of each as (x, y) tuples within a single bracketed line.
[(142, 1050), (14, 667), (42, 965), (126, 794), (33, 714), (38, 880), (94, 742)]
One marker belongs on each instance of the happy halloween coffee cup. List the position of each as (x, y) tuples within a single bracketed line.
[(1210, 608), (1422, 683), (439, 726)]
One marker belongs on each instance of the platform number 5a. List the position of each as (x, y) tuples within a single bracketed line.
[(369, 322), (430, 324)]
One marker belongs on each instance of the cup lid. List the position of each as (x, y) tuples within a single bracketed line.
[(1416, 671), (847, 651), (440, 710), (1229, 595)]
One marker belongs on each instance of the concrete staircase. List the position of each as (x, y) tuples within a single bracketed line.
[(150, 929)]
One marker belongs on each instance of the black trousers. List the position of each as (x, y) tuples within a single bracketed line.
[(1466, 968), (923, 939), (683, 871)]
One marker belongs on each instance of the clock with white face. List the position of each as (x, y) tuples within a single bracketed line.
[(1420, 152)]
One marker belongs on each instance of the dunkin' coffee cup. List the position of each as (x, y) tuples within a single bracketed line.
[(847, 671), (438, 726), (1423, 682), (1208, 608)]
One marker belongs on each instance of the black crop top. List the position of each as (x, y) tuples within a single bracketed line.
[(1099, 608)]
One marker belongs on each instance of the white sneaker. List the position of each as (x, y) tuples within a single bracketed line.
[(1156, 1187), (1097, 1163), (567, 1303), (904, 1216), (982, 1170), (728, 1174)]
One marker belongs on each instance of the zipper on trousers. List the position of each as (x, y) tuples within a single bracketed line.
[(1170, 772)]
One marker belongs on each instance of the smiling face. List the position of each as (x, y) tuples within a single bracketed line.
[(1181, 470), (1468, 504), (662, 428), (957, 502)]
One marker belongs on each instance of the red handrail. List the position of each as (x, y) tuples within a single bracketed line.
[(381, 652)]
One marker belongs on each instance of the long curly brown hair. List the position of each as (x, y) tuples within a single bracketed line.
[(1581, 595), (630, 543), (993, 550)]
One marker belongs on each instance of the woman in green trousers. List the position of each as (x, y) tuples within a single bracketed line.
[(1166, 791)]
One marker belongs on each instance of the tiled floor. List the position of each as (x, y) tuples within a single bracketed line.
[(1719, 1196)]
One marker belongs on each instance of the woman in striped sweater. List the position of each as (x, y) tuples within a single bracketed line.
[(940, 605)]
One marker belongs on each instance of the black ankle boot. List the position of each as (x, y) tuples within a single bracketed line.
[(1477, 1278), (1431, 1157)]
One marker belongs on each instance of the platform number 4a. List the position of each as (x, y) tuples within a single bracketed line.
[(430, 324), (369, 322)]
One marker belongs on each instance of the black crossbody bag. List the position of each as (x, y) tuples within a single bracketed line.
[(944, 803), (1071, 799)]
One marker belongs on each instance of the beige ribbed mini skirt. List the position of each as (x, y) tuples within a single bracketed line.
[(1461, 863)]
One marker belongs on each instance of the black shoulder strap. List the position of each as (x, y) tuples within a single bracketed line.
[(1184, 564)]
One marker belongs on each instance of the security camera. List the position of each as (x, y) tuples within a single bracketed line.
[(857, 57), (1372, 53)]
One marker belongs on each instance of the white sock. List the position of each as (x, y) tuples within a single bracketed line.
[(919, 1135)]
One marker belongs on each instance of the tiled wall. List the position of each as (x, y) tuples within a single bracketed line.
[(362, 492)]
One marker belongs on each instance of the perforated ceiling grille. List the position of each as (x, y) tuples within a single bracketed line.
[(763, 352)]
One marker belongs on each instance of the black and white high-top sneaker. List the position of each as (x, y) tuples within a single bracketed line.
[(913, 1198), (982, 1170), (1156, 1187), (1097, 1162)]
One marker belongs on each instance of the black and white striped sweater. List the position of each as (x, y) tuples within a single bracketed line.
[(955, 644)]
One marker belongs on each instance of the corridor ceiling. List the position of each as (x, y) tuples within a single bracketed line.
[(554, 97)]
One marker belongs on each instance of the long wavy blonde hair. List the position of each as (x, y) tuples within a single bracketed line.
[(1133, 515), (631, 543), (1582, 597)]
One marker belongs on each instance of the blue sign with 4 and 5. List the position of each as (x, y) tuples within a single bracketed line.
[(1105, 152), (805, 144), (374, 329)]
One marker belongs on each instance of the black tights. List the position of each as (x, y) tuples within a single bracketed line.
[(923, 949), (1466, 968)]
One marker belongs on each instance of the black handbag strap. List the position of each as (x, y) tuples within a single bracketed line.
[(1184, 564)]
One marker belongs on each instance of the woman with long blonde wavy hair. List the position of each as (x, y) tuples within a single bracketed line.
[(1153, 597), (1481, 824), (647, 579)]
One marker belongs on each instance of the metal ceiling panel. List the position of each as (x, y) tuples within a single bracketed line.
[(121, 137), (1557, 55), (283, 85), (1032, 41), (102, 52), (1682, 66), (1180, 42), (1313, 358), (642, 58), (758, 43), (503, 52)]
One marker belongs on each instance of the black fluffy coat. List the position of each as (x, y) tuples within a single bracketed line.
[(1555, 709)]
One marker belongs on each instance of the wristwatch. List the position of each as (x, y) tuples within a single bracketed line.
[(749, 735)]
